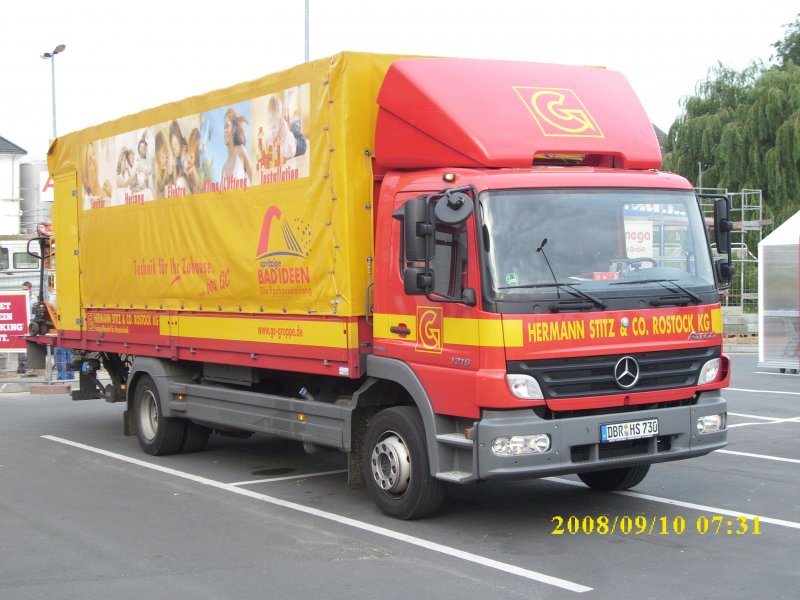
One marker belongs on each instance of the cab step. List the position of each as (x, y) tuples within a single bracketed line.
[(455, 476), (454, 439)]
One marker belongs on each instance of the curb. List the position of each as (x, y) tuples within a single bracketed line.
[(734, 348), (14, 387), (39, 386), (740, 350), (55, 388), (34, 387)]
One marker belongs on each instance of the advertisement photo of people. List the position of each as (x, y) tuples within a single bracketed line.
[(254, 142)]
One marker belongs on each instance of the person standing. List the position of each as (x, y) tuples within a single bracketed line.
[(22, 363), (62, 356)]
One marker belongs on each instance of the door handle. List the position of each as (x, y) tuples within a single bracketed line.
[(400, 330)]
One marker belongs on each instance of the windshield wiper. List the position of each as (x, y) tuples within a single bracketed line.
[(562, 304), (658, 302), (567, 287)]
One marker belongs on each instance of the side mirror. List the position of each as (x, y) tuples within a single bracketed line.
[(723, 267), (417, 281), (417, 228), (723, 226), (454, 208)]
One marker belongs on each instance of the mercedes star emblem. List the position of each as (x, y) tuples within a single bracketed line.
[(626, 372)]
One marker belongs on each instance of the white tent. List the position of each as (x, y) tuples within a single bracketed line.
[(779, 297)]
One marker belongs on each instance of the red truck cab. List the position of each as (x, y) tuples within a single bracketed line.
[(547, 297)]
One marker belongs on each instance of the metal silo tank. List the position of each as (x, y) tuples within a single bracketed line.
[(34, 205)]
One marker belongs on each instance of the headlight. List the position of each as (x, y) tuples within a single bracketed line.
[(709, 372), (711, 423), (521, 444), (524, 386)]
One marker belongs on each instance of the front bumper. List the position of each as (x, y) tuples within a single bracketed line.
[(575, 442)]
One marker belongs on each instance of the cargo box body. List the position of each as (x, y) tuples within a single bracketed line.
[(190, 219)]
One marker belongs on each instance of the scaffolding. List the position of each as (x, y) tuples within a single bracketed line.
[(747, 214)]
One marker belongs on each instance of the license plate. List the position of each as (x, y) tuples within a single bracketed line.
[(630, 430)]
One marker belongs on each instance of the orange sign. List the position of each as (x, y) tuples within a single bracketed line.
[(429, 329), (559, 112)]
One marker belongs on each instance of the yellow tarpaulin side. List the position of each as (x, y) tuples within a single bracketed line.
[(252, 199)]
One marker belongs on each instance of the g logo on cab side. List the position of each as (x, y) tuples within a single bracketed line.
[(429, 329)]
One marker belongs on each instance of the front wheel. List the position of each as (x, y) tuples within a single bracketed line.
[(615, 479), (196, 437), (157, 434), (396, 468)]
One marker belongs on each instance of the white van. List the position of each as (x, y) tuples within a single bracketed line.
[(17, 266)]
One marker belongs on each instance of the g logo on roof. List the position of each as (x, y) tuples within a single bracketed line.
[(559, 112)]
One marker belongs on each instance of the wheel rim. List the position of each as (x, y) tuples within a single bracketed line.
[(391, 464), (148, 415)]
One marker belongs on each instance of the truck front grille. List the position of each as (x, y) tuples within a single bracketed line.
[(575, 377)]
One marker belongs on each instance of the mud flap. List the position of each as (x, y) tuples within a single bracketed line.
[(128, 423), (89, 388), (37, 355)]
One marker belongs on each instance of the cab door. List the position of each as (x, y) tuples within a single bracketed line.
[(439, 340)]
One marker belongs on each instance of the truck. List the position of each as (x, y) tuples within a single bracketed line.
[(17, 264), (451, 270)]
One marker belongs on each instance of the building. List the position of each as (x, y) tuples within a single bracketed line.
[(10, 155)]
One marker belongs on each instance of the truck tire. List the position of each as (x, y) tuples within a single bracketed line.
[(196, 437), (615, 479), (396, 468), (157, 435)]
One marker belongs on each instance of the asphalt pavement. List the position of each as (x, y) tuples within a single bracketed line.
[(85, 514)]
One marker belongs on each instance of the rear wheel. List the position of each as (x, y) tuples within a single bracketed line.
[(157, 434), (615, 479), (396, 468)]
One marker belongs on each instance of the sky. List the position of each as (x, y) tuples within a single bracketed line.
[(123, 56)]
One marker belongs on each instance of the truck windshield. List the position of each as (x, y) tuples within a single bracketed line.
[(606, 244)]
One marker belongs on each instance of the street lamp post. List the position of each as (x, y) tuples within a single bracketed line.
[(306, 54), (52, 57)]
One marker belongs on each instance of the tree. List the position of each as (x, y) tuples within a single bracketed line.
[(789, 47), (742, 129)]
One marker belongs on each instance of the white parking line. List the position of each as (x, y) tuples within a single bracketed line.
[(273, 479), (769, 420), (732, 389), (762, 456), (691, 505), (773, 373), (746, 416), (382, 531)]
